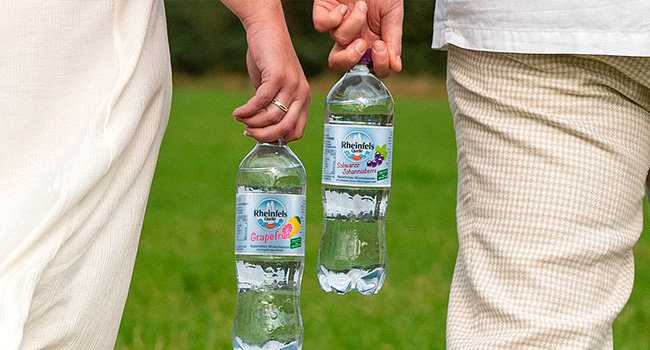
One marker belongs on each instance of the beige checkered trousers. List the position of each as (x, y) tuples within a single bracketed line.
[(553, 154)]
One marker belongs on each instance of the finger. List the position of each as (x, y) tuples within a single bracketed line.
[(391, 34), (343, 58), (263, 96), (325, 19), (351, 27), (380, 59), (269, 115), (299, 128), (276, 131)]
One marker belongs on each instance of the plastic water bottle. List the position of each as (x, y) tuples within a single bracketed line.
[(357, 157), (269, 249)]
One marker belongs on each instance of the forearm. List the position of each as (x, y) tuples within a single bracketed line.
[(256, 15)]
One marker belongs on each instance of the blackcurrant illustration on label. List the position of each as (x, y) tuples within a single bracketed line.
[(380, 156)]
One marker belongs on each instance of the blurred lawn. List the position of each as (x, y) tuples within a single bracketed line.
[(183, 292)]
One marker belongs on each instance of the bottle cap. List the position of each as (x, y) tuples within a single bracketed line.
[(366, 58)]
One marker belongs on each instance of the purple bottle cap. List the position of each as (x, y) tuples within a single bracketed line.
[(366, 58)]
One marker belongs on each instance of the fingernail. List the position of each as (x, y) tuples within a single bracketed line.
[(399, 61), (360, 47), (343, 9), (380, 48), (363, 6), (247, 133)]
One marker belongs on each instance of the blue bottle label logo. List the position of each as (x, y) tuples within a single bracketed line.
[(270, 214), (355, 155), (270, 224), (357, 146)]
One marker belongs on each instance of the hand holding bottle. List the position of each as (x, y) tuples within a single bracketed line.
[(274, 71), (356, 25)]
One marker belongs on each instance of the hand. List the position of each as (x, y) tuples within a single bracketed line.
[(274, 71), (356, 25)]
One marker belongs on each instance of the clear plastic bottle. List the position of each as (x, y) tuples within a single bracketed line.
[(269, 249), (357, 157)]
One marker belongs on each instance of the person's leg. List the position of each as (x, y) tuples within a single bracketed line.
[(553, 152), (80, 296)]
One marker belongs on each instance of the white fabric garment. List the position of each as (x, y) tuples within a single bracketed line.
[(84, 100), (601, 27)]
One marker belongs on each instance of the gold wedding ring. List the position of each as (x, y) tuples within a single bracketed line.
[(280, 105)]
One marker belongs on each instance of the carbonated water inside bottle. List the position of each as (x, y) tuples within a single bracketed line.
[(268, 306)]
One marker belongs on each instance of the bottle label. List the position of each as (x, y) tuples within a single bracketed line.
[(270, 224), (356, 155)]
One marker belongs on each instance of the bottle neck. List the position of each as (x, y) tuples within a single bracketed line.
[(362, 68), (278, 143)]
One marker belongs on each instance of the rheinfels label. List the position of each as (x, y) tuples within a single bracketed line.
[(355, 155), (270, 224)]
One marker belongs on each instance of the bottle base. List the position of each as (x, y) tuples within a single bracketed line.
[(239, 344), (366, 282)]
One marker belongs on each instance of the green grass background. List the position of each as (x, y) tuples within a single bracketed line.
[(183, 294)]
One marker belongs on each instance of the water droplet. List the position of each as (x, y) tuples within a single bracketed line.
[(274, 315)]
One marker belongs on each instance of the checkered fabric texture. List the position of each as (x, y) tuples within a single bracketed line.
[(553, 155)]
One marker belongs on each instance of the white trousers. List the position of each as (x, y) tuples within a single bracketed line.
[(553, 154), (84, 100)]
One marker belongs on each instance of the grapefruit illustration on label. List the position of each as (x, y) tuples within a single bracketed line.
[(292, 226)]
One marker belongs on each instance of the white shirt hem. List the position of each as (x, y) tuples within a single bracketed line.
[(584, 43)]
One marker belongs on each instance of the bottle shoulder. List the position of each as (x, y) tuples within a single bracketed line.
[(354, 86), (269, 158), (360, 94)]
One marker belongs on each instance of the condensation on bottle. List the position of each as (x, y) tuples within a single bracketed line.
[(269, 249), (356, 179)]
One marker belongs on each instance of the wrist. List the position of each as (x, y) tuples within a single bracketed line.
[(263, 15)]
